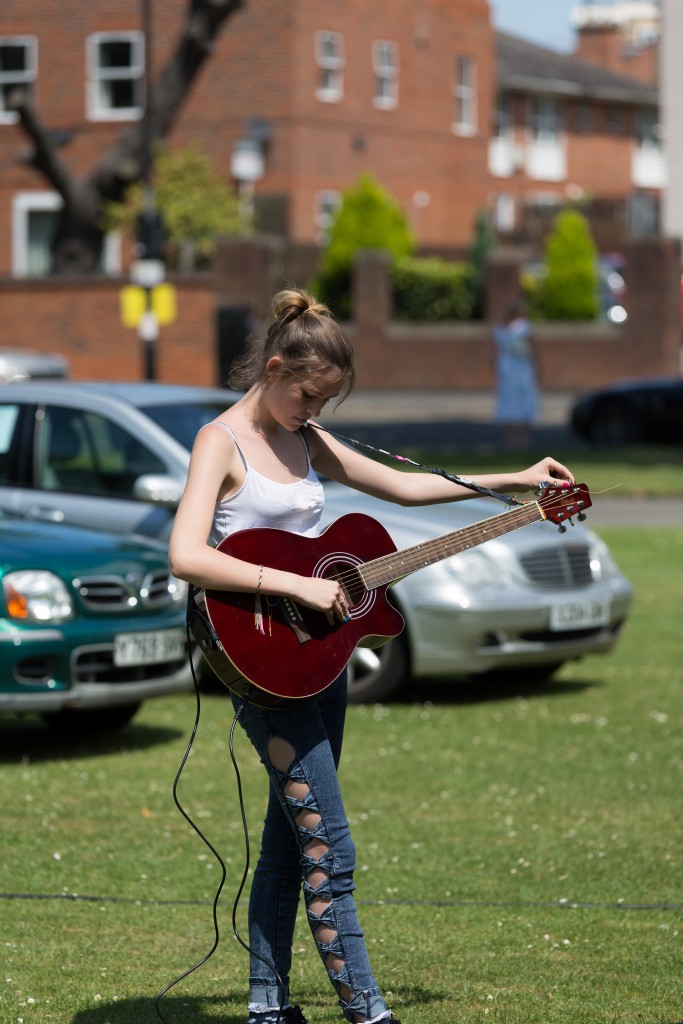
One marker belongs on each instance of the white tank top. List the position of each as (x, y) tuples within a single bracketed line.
[(296, 507)]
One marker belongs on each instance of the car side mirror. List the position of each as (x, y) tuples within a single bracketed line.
[(158, 489)]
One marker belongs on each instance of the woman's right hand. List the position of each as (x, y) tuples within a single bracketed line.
[(322, 595)]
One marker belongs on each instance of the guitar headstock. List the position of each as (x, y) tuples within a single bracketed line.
[(560, 504)]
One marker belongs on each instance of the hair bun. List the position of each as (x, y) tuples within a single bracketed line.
[(294, 302)]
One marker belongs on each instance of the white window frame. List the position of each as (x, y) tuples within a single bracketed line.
[(24, 203), (327, 201), (465, 95), (546, 148), (95, 76), (330, 66), (545, 119), (27, 77), (386, 73)]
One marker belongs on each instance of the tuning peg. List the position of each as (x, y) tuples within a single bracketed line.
[(582, 517), (562, 528)]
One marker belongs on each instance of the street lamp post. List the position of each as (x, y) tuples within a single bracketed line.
[(148, 269)]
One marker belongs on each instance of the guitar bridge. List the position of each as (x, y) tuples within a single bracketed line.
[(295, 620)]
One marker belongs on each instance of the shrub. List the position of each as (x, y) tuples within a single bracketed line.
[(368, 218), (431, 289), (196, 201), (569, 288), (482, 244)]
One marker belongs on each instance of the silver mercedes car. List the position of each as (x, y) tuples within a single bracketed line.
[(115, 455)]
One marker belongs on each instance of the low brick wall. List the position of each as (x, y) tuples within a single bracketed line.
[(571, 356), (80, 318)]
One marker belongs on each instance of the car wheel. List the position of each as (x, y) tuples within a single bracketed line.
[(72, 720), (614, 424), (380, 673)]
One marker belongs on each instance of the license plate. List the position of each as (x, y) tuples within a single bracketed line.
[(149, 648), (579, 615)]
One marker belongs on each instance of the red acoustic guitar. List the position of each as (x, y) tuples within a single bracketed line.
[(298, 653)]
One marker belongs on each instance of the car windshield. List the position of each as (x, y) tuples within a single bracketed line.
[(183, 420)]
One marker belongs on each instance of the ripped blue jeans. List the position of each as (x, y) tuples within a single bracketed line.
[(306, 837)]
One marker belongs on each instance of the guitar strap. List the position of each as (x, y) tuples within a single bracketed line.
[(463, 481), (198, 622)]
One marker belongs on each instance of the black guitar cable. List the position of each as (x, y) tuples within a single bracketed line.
[(206, 841)]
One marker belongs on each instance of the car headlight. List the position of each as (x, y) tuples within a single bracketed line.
[(177, 589), (35, 595), (474, 569), (602, 565)]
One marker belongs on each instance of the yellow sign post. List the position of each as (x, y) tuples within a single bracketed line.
[(134, 304)]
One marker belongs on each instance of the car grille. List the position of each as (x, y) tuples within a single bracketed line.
[(114, 593), (96, 665), (565, 566)]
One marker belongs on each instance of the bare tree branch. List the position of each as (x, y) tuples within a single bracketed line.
[(79, 237), (124, 161), (44, 158)]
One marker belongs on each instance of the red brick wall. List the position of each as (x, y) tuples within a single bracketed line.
[(81, 320)]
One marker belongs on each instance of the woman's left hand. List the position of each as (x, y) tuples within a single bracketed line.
[(547, 471)]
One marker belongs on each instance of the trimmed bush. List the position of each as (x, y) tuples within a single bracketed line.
[(368, 218), (569, 288), (431, 289)]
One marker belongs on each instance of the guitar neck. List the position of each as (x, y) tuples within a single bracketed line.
[(390, 568)]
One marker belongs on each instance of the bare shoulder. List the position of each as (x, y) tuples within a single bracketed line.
[(215, 450), (321, 443)]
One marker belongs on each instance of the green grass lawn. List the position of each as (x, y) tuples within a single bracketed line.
[(519, 850)]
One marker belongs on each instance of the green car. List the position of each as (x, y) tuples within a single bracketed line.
[(91, 624)]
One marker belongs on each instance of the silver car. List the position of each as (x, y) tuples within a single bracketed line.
[(115, 455)]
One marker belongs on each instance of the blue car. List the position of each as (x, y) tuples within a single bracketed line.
[(91, 624)]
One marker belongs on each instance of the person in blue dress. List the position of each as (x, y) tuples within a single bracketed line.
[(517, 392)]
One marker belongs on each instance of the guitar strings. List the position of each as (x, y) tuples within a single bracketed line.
[(478, 531)]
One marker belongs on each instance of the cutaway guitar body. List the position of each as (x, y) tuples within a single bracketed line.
[(292, 652)]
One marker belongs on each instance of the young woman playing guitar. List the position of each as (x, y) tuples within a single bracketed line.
[(256, 466)]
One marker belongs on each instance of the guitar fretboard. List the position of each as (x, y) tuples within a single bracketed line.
[(389, 568)]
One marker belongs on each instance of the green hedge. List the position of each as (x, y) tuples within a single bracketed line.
[(431, 289)]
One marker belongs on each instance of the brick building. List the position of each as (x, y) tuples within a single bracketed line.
[(299, 98), (622, 37), (568, 129), (320, 91)]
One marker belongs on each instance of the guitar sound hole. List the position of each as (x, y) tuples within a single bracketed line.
[(352, 585)]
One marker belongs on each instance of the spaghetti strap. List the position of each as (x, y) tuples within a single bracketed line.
[(219, 423)]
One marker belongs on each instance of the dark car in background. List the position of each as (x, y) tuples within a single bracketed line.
[(643, 410), (91, 624)]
